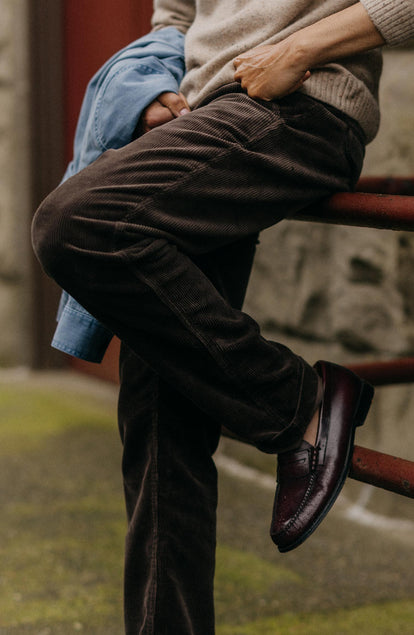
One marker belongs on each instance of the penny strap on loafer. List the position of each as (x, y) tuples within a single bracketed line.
[(297, 464)]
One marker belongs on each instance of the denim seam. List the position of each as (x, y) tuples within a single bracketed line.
[(79, 353)]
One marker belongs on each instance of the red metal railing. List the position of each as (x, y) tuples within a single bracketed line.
[(387, 185), (382, 203), (361, 209), (396, 371), (382, 470)]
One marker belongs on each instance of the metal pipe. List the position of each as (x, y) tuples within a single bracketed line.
[(382, 373), (386, 185), (381, 211), (383, 470)]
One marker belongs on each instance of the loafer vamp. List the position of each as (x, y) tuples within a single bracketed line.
[(297, 481)]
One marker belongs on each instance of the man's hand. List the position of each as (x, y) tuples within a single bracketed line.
[(270, 71), (275, 70), (166, 107)]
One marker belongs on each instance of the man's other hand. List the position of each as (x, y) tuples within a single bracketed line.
[(275, 70), (270, 71), (166, 107)]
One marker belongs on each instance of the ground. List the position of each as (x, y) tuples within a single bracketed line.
[(63, 523)]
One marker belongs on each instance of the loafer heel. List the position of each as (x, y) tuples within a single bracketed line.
[(364, 404)]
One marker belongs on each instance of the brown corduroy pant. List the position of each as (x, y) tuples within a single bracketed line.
[(156, 240)]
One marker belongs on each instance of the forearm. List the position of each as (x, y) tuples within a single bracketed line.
[(276, 70), (340, 35)]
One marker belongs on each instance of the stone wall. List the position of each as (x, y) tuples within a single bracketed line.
[(14, 185)]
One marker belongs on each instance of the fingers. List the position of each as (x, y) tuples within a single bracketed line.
[(268, 74), (154, 115), (176, 104), (300, 83), (166, 107)]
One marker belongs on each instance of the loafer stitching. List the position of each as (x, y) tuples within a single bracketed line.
[(301, 506)]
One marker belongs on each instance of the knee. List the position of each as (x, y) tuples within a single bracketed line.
[(47, 236), (58, 228)]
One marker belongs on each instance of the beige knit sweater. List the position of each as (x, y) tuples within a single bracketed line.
[(219, 30)]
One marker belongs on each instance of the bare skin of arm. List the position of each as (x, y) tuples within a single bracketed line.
[(166, 107), (276, 70)]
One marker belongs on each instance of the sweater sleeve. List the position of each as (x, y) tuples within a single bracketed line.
[(177, 13), (394, 19)]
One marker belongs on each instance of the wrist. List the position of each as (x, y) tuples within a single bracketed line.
[(300, 51)]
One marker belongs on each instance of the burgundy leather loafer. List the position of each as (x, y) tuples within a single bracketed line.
[(310, 478)]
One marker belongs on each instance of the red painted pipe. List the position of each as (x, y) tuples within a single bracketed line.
[(386, 185), (383, 373), (381, 211), (382, 470)]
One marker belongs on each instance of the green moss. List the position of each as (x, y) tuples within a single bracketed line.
[(247, 586), (74, 574), (29, 415), (63, 520), (378, 619), (241, 571)]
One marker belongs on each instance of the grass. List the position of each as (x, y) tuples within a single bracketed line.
[(63, 522), (393, 618), (62, 531)]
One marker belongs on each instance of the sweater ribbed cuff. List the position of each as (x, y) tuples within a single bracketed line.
[(394, 19)]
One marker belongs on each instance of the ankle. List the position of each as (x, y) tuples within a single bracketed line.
[(311, 431)]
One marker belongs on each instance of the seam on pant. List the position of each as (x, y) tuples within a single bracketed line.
[(150, 626)]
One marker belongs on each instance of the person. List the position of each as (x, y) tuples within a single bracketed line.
[(156, 241)]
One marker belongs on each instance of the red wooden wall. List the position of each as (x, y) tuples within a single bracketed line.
[(93, 31)]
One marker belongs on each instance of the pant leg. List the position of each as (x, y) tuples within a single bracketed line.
[(120, 237), (170, 484)]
